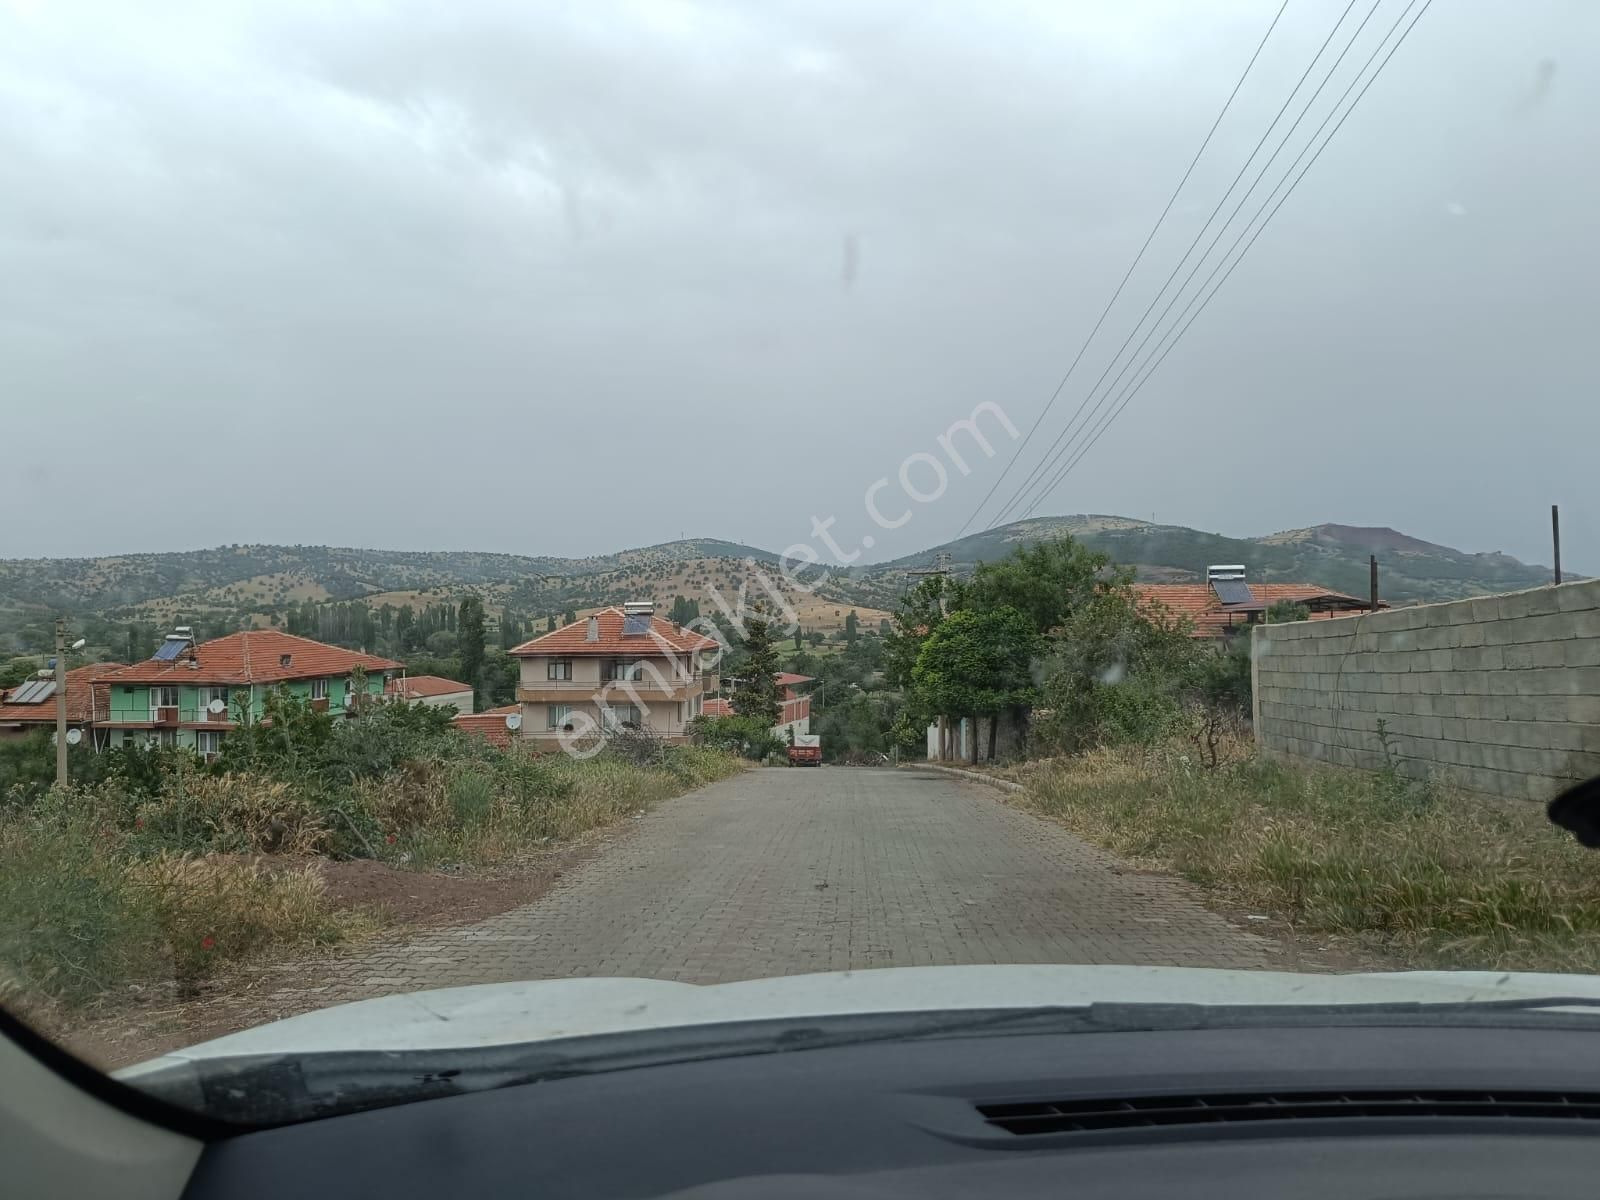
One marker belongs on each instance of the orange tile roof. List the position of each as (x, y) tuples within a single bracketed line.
[(1199, 603), (414, 687), (254, 656), (490, 725), (80, 698), (664, 638), (717, 707), (789, 678)]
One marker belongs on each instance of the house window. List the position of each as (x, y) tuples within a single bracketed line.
[(624, 716), (163, 697), (208, 741), (319, 689), (164, 737), (558, 668), (208, 694), (560, 716), (619, 670)]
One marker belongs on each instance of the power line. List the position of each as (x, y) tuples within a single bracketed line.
[(1134, 387), (1128, 274), (1050, 456)]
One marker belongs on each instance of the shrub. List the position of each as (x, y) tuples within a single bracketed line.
[(1454, 880), (214, 910), (69, 926)]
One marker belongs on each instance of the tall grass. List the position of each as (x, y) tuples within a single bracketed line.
[(109, 885), (1432, 878)]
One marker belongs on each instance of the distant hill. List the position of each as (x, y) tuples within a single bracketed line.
[(233, 587), (1334, 556)]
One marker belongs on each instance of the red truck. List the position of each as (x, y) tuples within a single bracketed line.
[(805, 756)]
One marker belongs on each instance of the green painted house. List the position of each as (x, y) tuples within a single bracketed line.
[(191, 694)]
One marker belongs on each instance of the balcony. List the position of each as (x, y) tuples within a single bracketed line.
[(164, 718), (567, 691)]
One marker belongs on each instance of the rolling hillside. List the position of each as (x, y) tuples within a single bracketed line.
[(231, 587), (1335, 556)]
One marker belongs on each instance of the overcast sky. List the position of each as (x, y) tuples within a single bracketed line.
[(570, 278)]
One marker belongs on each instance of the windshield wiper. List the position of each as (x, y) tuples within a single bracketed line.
[(262, 1090)]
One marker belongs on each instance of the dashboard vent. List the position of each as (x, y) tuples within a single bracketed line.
[(1142, 1112)]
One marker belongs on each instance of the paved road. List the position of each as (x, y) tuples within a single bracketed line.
[(779, 872)]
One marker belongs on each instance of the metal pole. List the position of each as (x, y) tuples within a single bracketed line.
[(1555, 536), (61, 702), (1372, 566)]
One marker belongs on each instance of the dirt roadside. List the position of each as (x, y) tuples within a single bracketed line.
[(156, 1019)]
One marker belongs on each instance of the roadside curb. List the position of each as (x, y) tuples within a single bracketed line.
[(1004, 785)]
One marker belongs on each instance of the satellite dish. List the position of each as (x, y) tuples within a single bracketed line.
[(74, 736), (79, 644), (350, 699), (216, 708), (513, 721)]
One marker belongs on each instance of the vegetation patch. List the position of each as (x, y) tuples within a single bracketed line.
[(156, 868), (1430, 877)]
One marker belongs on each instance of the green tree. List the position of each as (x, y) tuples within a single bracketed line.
[(1287, 610), (1044, 582), (851, 628), (550, 624), (570, 617), (470, 635), (921, 611), (683, 610), (406, 635), (756, 694), (799, 640), (1118, 674), (815, 637), (976, 664)]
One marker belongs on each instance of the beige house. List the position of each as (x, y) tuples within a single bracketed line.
[(618, 669)]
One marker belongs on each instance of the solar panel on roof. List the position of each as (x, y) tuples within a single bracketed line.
[(635, 624), (169, 650), (35, 691), (46, 690), (1232, 591), (20, 696)]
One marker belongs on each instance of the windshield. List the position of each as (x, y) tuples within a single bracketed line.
[(572, 502)]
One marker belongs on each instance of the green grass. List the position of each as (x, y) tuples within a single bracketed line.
[(1429, 878), (104, 887)]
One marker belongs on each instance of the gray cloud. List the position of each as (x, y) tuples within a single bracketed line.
[(567, 278)]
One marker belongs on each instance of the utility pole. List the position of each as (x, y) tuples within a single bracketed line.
[(61, 702), (1372, 566), (1555, 536)]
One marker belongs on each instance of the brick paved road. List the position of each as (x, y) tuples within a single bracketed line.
[(784, 871)]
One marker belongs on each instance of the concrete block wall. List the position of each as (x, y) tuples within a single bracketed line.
[(1497, 694)]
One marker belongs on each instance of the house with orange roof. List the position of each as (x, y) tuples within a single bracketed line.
[(190, 694), (490, 725), (431, 691), (32, 703), (796, 713), (1227, 603), (620, 668)]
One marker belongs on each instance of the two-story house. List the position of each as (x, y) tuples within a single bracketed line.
[(619, 668), (191, 694)]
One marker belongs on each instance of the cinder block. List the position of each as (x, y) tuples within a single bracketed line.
[(1483, 609), (1575, 597), (1520, 658), (1471, 635)]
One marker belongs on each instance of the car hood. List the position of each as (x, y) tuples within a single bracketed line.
[(541, 1010)]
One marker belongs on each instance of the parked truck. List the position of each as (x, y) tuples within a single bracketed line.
[(805, 756), (805, 750)]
